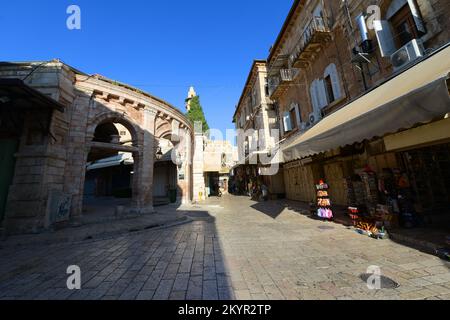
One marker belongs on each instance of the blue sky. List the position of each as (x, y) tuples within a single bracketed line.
[(162, 47)]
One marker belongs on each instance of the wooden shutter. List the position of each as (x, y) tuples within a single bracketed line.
[(417, 16), (297, 113), (287, 122), (385, 38), (322, 93), (313, 94)]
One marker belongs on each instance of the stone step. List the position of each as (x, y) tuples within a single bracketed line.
[(160, 201)]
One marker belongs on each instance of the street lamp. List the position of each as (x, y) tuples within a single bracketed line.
[(159, 154)]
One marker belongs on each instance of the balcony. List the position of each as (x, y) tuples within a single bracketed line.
[(316, 34), (279, 83)]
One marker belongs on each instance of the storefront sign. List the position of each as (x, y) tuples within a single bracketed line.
[(434, 132)]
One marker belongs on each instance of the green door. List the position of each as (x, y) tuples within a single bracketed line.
[(7, 150)]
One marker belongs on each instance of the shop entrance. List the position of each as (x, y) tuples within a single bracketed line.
[(165, 173), (429, 170), (164, 183), (7, 149), (213, 183)]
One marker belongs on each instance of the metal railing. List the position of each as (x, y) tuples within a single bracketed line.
[(286, 75), (319, 24)]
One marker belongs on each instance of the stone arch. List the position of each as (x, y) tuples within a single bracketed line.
[(114, 117), (163, 127), (137, 133)]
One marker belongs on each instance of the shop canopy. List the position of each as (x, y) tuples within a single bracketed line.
[(122, 158), (17, 96), (418, 95)]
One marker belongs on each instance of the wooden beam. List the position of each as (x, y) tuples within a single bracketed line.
[(112, 146)]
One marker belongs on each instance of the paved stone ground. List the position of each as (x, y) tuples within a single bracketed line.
[(102, 227), (235, 249)]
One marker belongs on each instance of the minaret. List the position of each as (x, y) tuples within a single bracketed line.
[(191, 94)]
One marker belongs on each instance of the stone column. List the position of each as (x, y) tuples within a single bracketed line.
[(198, 165), (144, 165), (188, 168), (77, 152), (185, 184)]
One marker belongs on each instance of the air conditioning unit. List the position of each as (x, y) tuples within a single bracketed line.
[(407, 54), (314, 118)]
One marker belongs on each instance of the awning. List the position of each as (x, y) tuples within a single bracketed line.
[(15, 94), (418, 95), (123, 158)]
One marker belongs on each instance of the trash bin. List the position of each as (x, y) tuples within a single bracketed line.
[(173, 195)]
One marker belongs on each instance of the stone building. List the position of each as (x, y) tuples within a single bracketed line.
[(362, 86), (49, 151), (213, 161), (255, 119)]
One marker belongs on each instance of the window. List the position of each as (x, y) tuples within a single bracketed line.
[(404, 27), (403, 22), (329, 89), (293, 119), (332, 84), (294, 116), (253, 98), (123, 133), (318, 11)]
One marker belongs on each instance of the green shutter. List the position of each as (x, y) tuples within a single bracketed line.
[(7, 162)]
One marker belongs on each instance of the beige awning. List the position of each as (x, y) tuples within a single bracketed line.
[(418, 95)]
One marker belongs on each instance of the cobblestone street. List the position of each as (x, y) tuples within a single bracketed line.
[(234, 249)]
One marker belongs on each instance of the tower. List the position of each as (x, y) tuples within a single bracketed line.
[(191, 94)]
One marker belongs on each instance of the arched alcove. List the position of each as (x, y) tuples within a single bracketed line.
[(112, 162)]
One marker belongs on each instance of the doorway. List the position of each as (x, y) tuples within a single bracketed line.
[(429, 171), (109, 173), (164, 182), (8, 148)]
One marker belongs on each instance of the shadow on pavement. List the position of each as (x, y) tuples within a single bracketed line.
[(184, 262)]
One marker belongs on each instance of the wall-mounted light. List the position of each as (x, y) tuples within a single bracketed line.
[(159, 154)]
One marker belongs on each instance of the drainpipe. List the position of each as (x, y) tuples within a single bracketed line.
[(350, 24)]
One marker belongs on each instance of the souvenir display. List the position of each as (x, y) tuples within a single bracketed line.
[(323, 201)]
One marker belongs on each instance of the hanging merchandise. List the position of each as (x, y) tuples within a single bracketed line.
[(370, 183), (323, 201)]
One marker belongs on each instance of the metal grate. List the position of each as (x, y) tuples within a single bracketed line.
[(386, 283)]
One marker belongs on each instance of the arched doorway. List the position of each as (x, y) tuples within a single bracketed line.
[(165, 174), (109, 178)]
